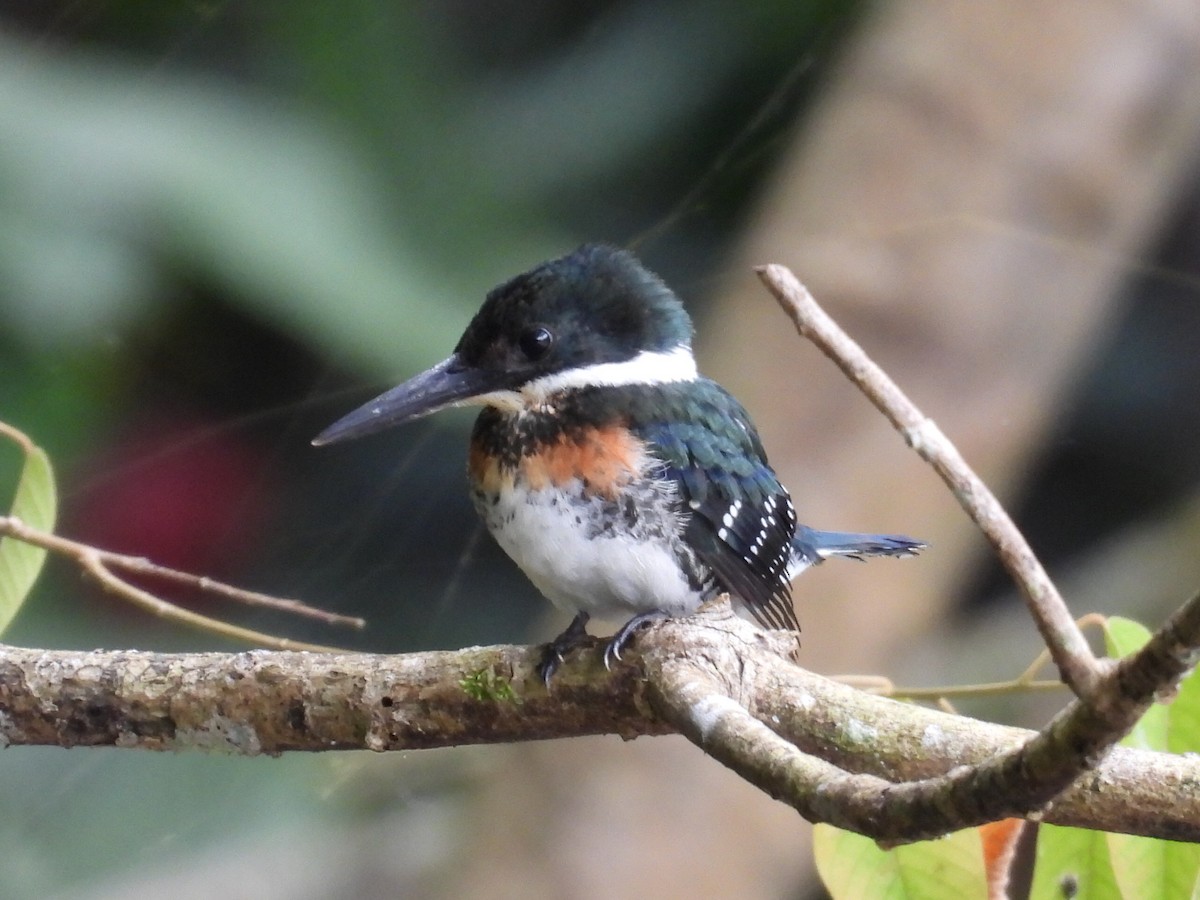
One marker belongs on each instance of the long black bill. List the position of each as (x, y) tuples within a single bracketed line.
[(449, 382)]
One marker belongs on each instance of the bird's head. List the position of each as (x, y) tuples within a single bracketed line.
[(593, 317)]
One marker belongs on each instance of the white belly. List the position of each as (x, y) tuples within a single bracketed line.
[(580, 565)]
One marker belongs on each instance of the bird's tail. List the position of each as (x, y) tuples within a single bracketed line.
[(810, 546)]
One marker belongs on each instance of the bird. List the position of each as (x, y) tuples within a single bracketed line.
[(624, 484)]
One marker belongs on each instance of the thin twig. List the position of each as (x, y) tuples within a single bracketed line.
[(1069, 649), (139, 565), (18, 437), (882, 686), (99, 564), (986, 689), (1087, 620), (94, 566)]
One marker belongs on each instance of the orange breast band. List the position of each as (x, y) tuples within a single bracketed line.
[(603, 459)]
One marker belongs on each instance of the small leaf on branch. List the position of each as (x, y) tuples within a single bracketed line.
[(27, 534), (1121, 638), (1145, 866), (35, 501), (852, 866), (1073, 862)]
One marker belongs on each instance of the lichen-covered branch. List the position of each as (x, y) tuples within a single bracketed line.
[(834, 753), (265, 701)]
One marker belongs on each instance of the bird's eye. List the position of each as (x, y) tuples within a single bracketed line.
[(536, 342)]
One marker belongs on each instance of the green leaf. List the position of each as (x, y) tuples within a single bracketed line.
[(1146, 867), (1184, 733), (853, 866), (1173, 726), (1074, 862), (1122, 637), (1152, 868), (34, 503)]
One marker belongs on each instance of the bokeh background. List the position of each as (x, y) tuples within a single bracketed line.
[(222, 224)]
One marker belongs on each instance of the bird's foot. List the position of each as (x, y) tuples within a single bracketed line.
[(624, 634), (554, 652)]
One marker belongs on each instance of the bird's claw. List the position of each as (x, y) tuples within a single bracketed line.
[(611, 652), (624, 635), (551, 660), (554, 653)]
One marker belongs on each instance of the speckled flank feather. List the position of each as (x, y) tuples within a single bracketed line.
[(742, 519)]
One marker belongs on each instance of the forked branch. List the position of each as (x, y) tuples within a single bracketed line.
[(1069, 649)]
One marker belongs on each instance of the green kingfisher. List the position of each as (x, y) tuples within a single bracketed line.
[(622, 482)]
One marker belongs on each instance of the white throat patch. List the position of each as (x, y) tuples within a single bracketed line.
[(648, 367)]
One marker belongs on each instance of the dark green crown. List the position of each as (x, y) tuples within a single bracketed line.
[(596, 305)]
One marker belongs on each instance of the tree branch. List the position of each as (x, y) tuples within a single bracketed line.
[(102, 567), (1068, 647), (878, 766)]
